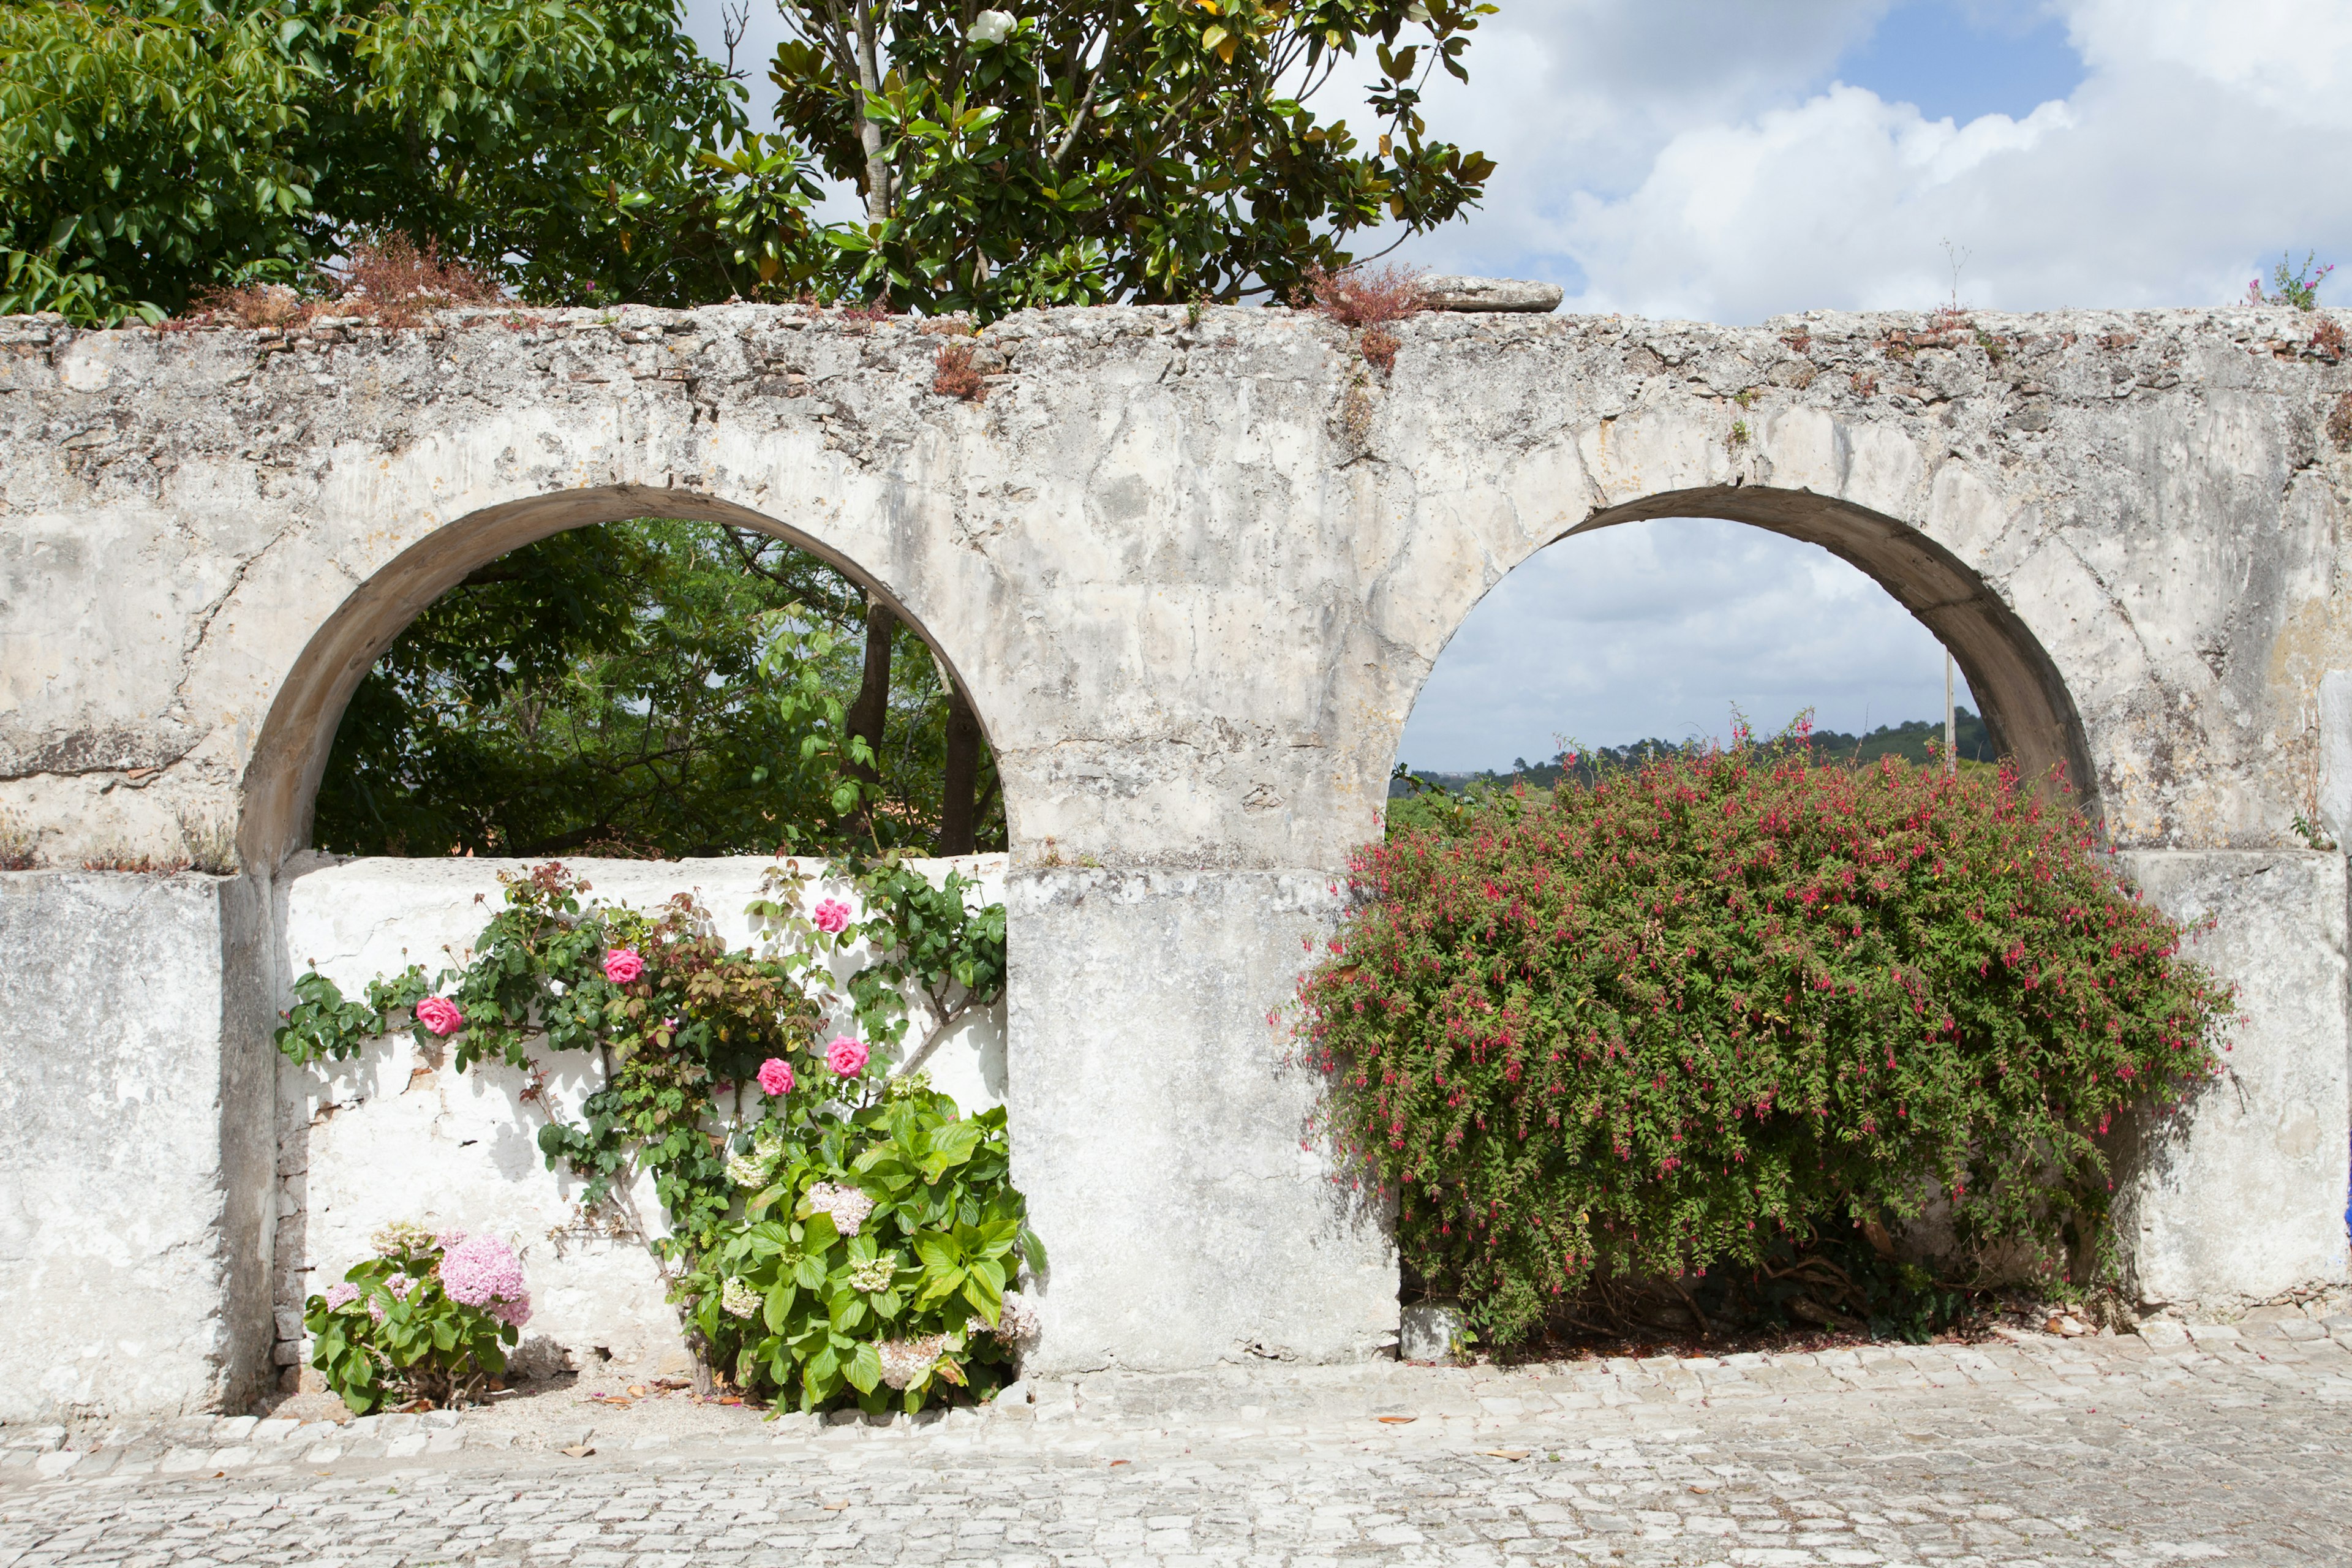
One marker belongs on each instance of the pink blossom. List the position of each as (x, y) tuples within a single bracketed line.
[(484, 1272), (832, 916), (775, 1076), (623, 965), (341, 1295), (845, 1057), (440, 1014)]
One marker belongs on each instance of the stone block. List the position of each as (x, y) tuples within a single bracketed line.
[(2240, 1197), (136, 1143), (1166, 1157), (1429, 1331), (1483, 294)]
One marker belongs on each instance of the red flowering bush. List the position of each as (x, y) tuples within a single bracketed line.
[(1695, 1015)]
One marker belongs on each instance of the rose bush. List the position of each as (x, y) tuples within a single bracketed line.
[(746, 1179), (1738, 1003)]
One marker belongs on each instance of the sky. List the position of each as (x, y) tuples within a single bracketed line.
[(1733, 159)]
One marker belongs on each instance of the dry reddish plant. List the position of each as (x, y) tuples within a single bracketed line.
[(256, 305), (399, 285), (113, 859), (1798, 342), (958, 377), (1362, 296), (1379, 347), (19, 851), (1864, 383), (2339, 423), (2329, 340)]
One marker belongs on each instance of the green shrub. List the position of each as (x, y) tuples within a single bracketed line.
[(832, 1232), (1693, 1015), (401, 1326), (873, 1257)]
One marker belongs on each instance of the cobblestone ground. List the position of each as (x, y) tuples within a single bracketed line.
[(2234, 1448)]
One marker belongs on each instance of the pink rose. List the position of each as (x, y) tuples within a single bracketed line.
[(776, 1076), (832, 916), (621, 965), (845, 1057), (440, 1014)]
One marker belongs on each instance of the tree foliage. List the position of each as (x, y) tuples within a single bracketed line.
[(649, 688), (1687, 1015), (1091, 151), (153, 150)]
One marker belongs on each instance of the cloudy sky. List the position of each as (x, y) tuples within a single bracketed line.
[(1729, 160)]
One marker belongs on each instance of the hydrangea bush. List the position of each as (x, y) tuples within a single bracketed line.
[(428, 1317), (824, 1222), (1739, 1001)]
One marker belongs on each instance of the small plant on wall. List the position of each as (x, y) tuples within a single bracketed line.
[(832, 1232), (1738, 1004)]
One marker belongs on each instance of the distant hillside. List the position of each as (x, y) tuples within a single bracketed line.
[(1912, 741)]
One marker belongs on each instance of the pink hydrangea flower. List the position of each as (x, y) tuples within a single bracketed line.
[(845, 1057), (441, 1016), (483, 1271), (341, 1295), (832, 916), (623, 965), (776, 1076)]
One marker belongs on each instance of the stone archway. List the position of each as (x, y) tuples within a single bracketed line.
[(289, 755), (1193, 568), (2025, 703)]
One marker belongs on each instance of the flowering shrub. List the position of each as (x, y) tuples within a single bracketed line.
[(1738, 1001), (427, 1318), (875, 1252), (794, 1171)]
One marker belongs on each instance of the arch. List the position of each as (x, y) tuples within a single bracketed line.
[(289, 755), (2022, 699)]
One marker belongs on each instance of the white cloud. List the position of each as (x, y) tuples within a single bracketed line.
[(2196, 147)]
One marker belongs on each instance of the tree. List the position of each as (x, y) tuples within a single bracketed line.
[(151, 151), (1108, 150), (1092, 151), (596, 692)]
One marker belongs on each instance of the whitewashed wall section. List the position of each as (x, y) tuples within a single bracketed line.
[(399, 1133)]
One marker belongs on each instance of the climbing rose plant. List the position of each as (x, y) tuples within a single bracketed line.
[(830, 1232), (1737, 1000)]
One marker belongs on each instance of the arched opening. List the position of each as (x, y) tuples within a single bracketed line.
[(730, 947), (2030, 717), (291, 754)]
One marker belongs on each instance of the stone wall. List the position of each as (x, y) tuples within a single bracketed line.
[(136, 1143), (397, 1132), (1192, 570)]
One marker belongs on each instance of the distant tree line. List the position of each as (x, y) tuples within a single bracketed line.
[(1916, 741)]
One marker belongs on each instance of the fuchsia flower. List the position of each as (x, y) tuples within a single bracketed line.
[(441, 1016), (775, 1076), (623, 965), (845, 1057), (832, 916)]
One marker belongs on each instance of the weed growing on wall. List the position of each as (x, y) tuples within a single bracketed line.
[(1736, 1001), (831, 1232)]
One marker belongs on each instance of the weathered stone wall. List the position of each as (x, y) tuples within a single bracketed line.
[(1193, 573), (397, 1132), (136, 1143)]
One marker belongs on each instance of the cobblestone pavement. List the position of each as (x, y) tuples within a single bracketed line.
[(2234, 1447)]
